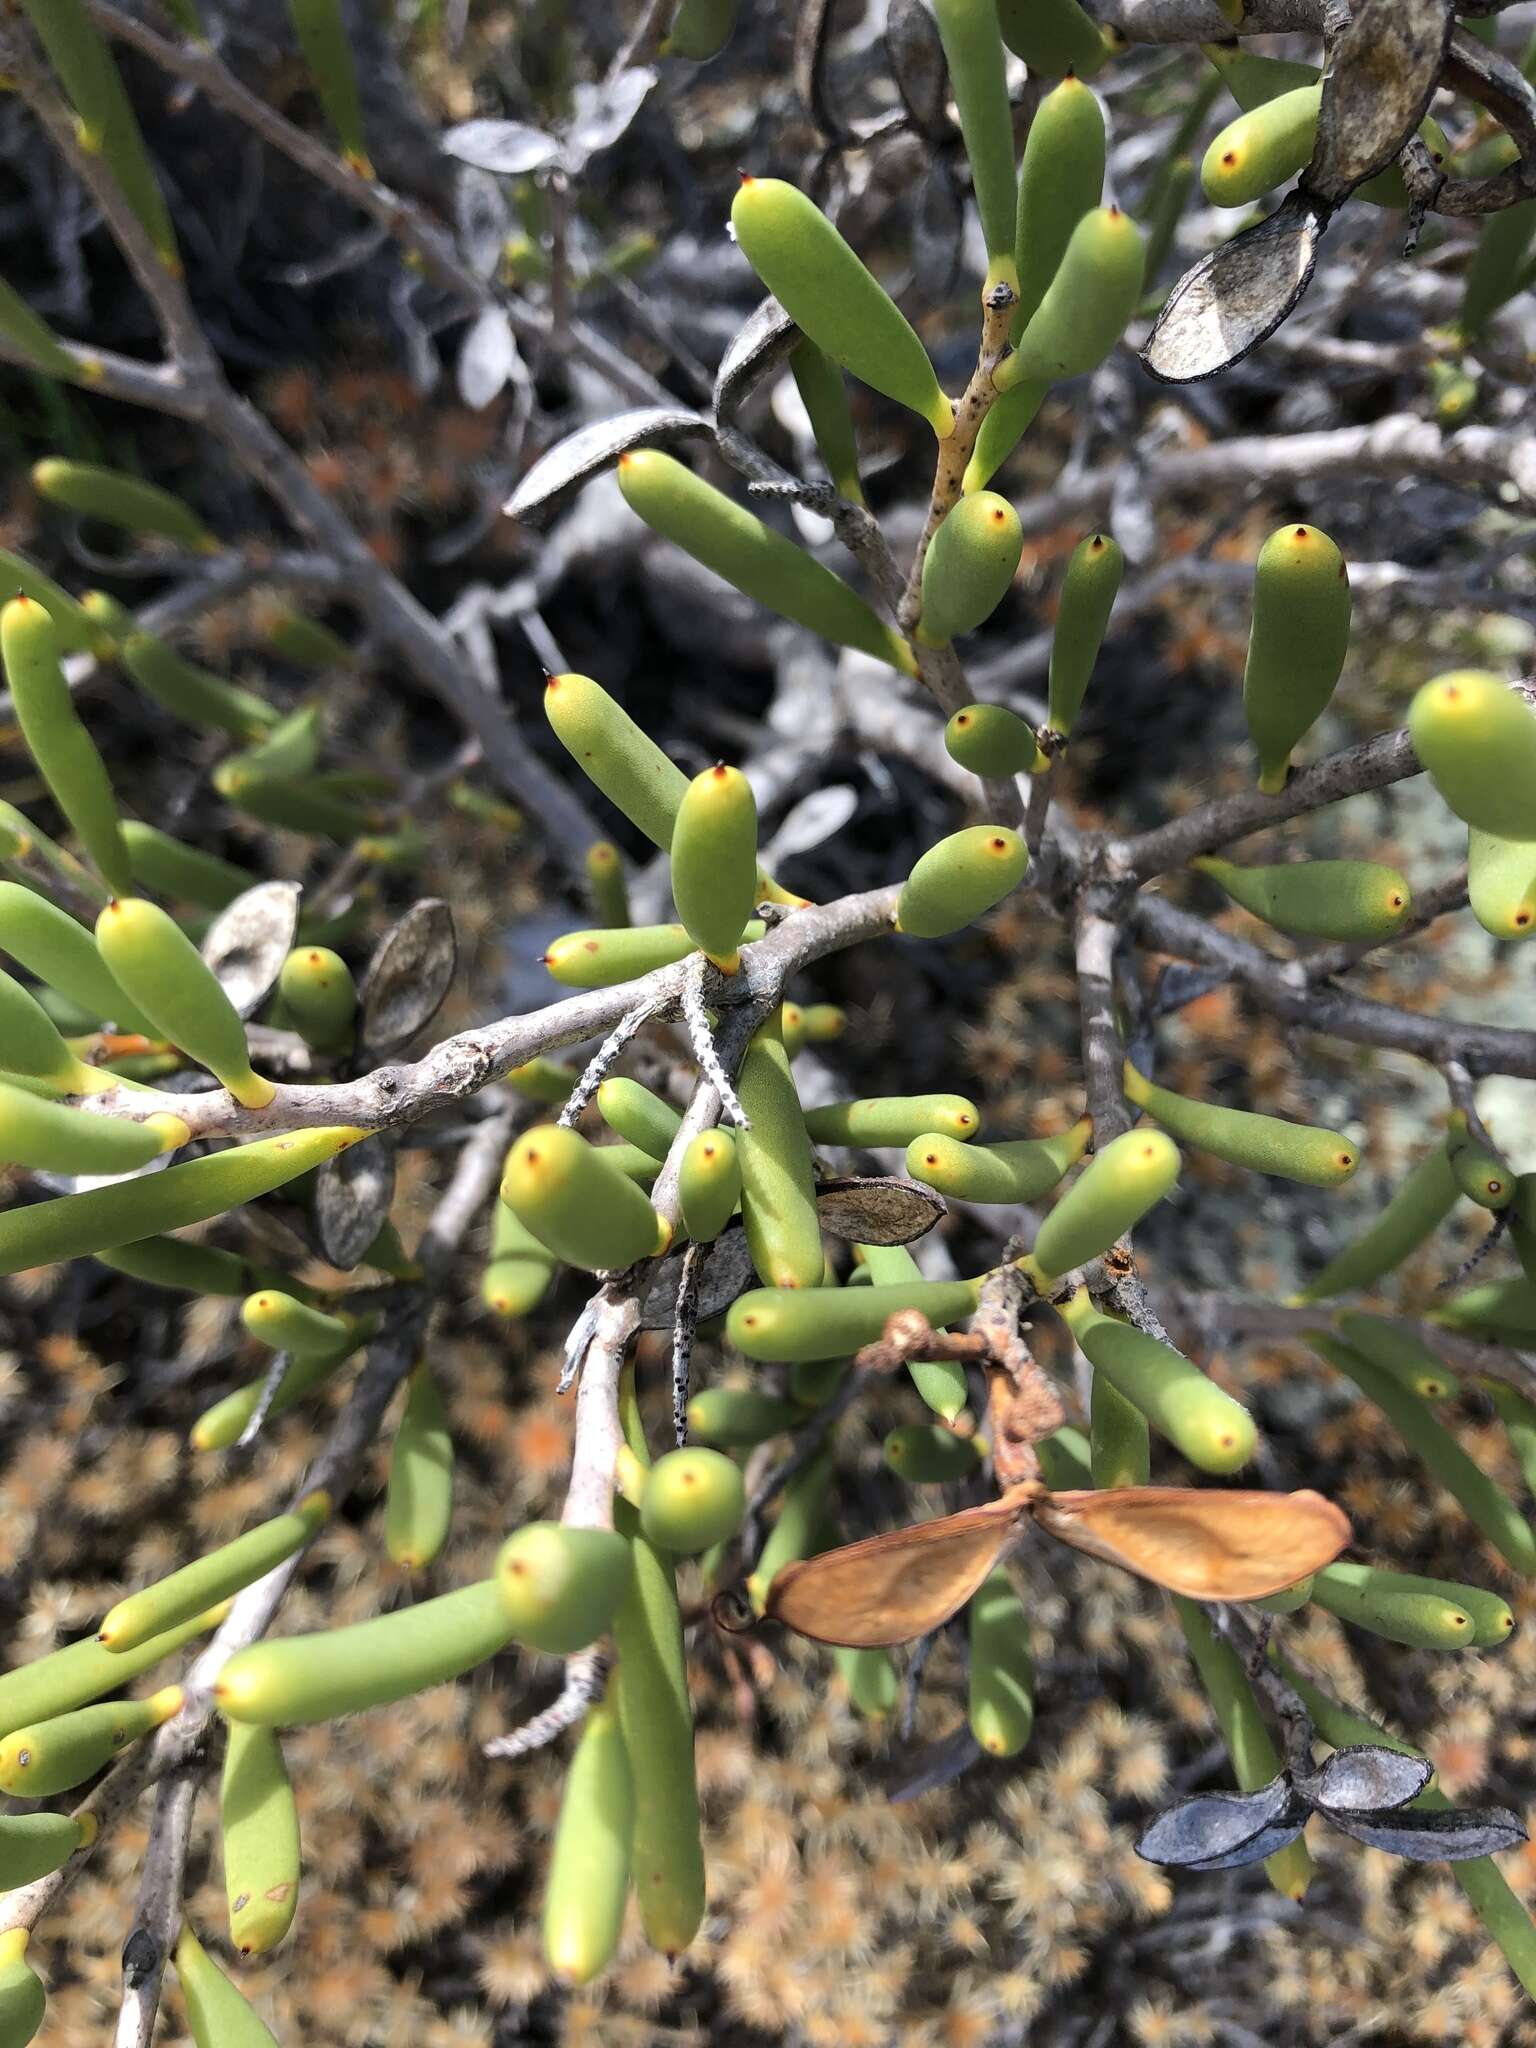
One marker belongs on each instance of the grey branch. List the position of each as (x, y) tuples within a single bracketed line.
[(585, 1676), (157, 1916)]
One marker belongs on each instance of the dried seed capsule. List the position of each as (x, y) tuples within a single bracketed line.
[(1482, 1174), (1020, 1170), (824, 395), (783, 1325), (1420, 1206), (1265, 1144), (1317, 899), (940, 1382), (873, 1682), (1087, 598), (299, 1679), (107, 125), (893, 1119), (1238, 1715), (1086, 304), (23, 2001), (82, 1671), (969, 567), (752, 557), (1052, 36), (1262, 148), (611, 750), (164, 974), (1120, 1185), (186, 873), (61, 952), (34, 339), (1001, 1706), (740, 1416), (224, 1423), (1377, 1601), (973, 49), (960, 880), (99, 1219), (33, 1845), (217, 2013), (51, 1138), (259, 1827), (320, 997), (928, 1454), (560, 1585), (118, 499), (692, 1498), (1484, 1504), (605, 879), (700, 30), (588, 1879), (1501, 882), (989, 739), (714, 862), (709, 1183), (1400, 1351), (832, 298), (193, 693), (577, 1203), (327, 50), (54, 1756), (1210, 1429), (418, 1506), (1119, 1441), (1477, 738), (64, 751), (1296, 644), (778, 1182), (191, 1591)]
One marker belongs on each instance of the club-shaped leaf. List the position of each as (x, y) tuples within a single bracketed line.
[(1237, 296), (248, 942), (1213, 1824), (1449, 1835), (757, 350), (1377, 89), (1365, 1778), (884, 1209), (562, 470), (353, 1192), (408, 976)]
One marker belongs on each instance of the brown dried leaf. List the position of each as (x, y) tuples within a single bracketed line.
[(878, 1209), (408, 977)]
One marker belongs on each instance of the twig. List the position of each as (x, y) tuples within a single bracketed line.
[(702, 1039), (1098, 935), (589, 1494), (157, 1916), (599, 1066), (585, 1676)]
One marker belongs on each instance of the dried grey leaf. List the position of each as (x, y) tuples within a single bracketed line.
[(916, 58), (408, 976), (353, 1193), (727, 1272), (1436, 1834), (938, 231), (484, 220), (941, 1763), (1377, 90), (1235, 297), (1366, 1778), (603, 111), (878, 1209), (813, 26), (250, 939), (581, 456), (510, 148), (757, 350), (1213, 1824), (813, 821), (488, 359), (1269, 1843)]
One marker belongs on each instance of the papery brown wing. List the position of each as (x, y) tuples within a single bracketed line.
[(1206, 1545), (891, 1588)]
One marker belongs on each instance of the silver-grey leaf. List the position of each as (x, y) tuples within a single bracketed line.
[(487, 360), (1215, 1824), (941, 1763), (1436, 1835), (1269, 1843), (510, 148), (353, 1193), (813, 33), (583, 455), (250, 939), (727, 1272), (812, 822), (484, 220), (1366, 1778), (408, 976), (1377, 89), (1235, 297), (938, 231), (916, 58), (878, 1209), (757, 350), (603, 111)]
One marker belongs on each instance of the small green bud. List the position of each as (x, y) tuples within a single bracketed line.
[(1087, 597), (989, 739), (969, 567), (693, 1498), (320, 997), (709, 1183), (1296, 645)]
